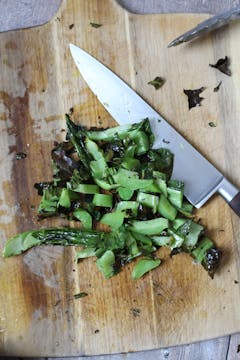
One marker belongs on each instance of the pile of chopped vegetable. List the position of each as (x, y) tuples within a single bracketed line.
[(113, 177)]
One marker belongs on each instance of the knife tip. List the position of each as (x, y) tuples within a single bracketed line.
[(174, 42)]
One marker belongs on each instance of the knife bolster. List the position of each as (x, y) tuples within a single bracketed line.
[(235, 204)]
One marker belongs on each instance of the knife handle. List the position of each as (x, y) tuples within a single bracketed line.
[(235, 204)]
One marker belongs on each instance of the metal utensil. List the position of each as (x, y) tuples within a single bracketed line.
[(207, 26), (200, 177)]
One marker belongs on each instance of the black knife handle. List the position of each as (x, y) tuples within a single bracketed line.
[(235, 204)]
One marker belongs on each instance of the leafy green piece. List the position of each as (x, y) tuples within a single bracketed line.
[(212, 124), (77, 136), (130, 180), (114, 219), (95, 25), (104, 200), (66, 197), (175, 192), (200, 252), (53, 236), (143, 266), (85, 218), (80, 295), (166, 209), (194, 98), (49, 202), (106, 264), (124, 193), (157, 82), (148, 200), (223, 65), (86, 189), (149, 227), (85, 253), (130, 208)]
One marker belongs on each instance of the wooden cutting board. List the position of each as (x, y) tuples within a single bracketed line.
[(175, 304)]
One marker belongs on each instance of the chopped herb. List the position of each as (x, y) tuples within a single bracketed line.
[(216, 89), (114, 177), (165, 141), (212, 124), (157, 82), (80, 295), (57, 302), (71, 26), (20, 156), (135, 312), (96, 331), (236, 282), (95, 25), (223, 66), (41, 186), (194, 98), (238, 348)]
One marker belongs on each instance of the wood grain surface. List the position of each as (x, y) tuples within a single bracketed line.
[(34, 98)]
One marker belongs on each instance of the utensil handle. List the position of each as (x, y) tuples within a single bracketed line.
[(235, 204), (231, 194)]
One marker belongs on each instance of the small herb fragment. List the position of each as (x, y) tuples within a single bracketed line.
[(194, 98), (223, 66), (157, 82), (216, 89), (212, 124), (20, 156), (71, 26), (80, 295), (95, 25), (135, 312), (238, 348)]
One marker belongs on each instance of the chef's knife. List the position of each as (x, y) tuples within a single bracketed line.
[(200, 177), (205, 27)]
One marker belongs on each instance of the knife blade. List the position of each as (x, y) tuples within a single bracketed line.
[(200, 177), (205, 27)]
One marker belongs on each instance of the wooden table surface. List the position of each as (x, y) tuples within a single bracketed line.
[(16, 14)]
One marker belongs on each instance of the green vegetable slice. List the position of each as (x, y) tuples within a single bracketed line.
[(54, 236), (175, 192), (199, 253), (125, 194), (130, 207), (104, 200), (66, 197), (148, 200), (143, 266), (166, 209), (114, 219), (149, 227), (85, 218), (87, 189), (130, 180), (106, 264), (85, 253)]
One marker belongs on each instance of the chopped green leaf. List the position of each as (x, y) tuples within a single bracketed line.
[(157, 82), (143, 266), (95, 25), (80, 295), (212, 124)]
